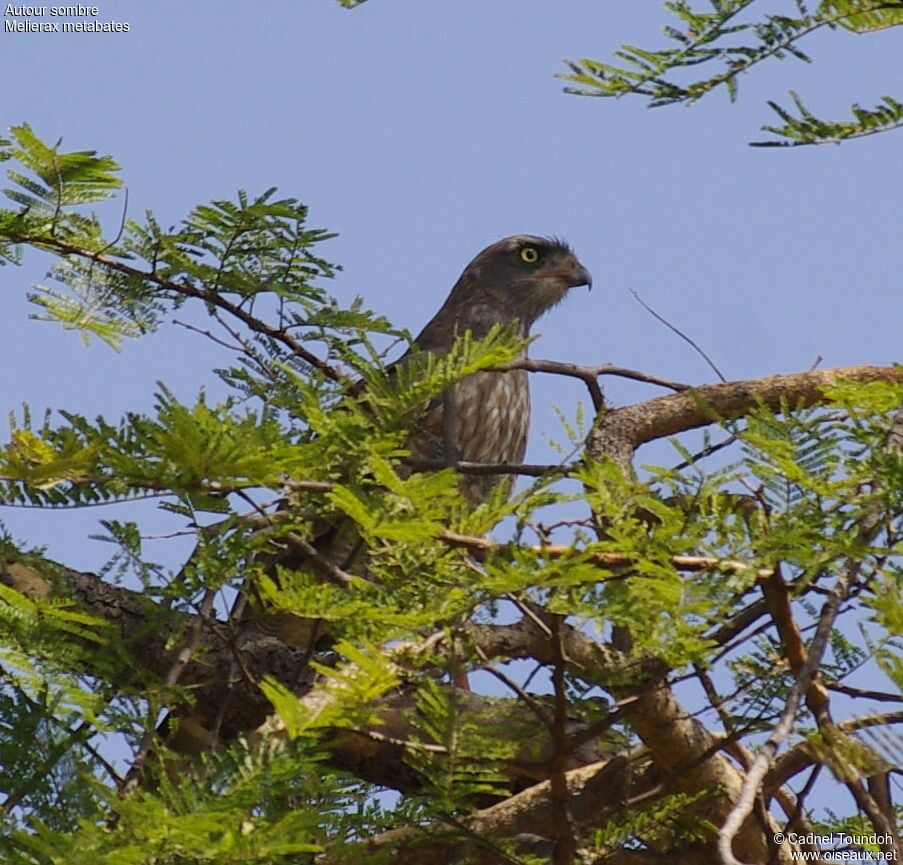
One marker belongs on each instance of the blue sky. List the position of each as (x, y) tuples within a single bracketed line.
[(421, 132)]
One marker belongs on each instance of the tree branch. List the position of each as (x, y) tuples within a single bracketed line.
[(618, 433), (185, 289), (806, 674)]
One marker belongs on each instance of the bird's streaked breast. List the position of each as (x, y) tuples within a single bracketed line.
[(490, 421)]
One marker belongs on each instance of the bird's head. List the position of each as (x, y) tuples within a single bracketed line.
[(519, 278)]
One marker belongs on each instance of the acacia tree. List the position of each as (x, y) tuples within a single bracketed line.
[(770, 580)]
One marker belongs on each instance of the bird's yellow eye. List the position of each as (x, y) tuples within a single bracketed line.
[(529, 254)]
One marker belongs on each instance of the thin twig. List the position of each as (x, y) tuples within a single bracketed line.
[(535, 470), (565, 852), (756, 774), (707, 451), (527, 609), (797, 812), (679, 332), (535, 707), (185, 289), (714, 698), (186, 653), (863, 693), (209, 334), (481, 546), (57, 751), (327, 568), (590, 374)]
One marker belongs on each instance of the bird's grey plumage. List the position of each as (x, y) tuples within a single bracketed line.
[(485, 417)]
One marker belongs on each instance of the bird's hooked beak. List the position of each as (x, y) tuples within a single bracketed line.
[(574, 274), (568, 274), (581, 276)]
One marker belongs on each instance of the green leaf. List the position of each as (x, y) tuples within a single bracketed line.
[(59, 179), (865, 16)]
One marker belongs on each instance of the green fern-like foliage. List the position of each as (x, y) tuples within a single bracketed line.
[(731, 37)]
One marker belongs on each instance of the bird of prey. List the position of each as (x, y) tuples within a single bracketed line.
[(485, 417)]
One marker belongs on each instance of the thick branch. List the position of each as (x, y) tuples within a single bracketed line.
[(684, 749), (596, 792), (225, 663), (618, 433)]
